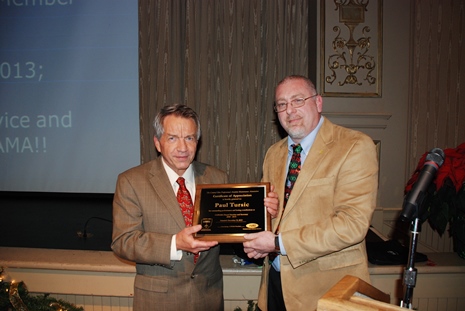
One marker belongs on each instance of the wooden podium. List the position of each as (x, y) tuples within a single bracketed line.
[(352, 293)]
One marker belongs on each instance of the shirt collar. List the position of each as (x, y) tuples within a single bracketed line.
[(188, 176)]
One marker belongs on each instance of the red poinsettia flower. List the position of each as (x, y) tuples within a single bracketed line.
[(452, 168)]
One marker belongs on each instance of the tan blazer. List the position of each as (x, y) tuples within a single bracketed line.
[(327, 216), (145, 216)]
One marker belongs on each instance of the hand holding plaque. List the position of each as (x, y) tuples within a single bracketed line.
[(229, 211)]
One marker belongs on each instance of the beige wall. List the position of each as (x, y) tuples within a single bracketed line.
[(384, 118), (422, 103)]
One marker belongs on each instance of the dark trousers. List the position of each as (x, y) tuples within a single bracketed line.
[(275, 291)]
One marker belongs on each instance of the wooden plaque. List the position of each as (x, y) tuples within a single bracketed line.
[(229, 211)]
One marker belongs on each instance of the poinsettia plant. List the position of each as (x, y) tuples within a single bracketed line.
[(445, 203)]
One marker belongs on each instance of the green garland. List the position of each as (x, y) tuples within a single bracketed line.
[(251, 306), (16, 297)]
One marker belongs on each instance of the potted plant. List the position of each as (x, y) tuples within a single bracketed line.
[(444, 203)]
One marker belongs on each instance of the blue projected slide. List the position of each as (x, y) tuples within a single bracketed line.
[(69, 102)]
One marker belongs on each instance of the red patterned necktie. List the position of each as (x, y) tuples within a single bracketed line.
[(293, 172), (185, 202)]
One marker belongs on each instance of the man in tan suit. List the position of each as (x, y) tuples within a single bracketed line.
[(319, 235), (149, 228)]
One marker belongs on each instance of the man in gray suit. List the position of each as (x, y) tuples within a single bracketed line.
[(149, 227)]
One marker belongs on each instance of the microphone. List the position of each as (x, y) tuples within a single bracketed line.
[(415, 196)]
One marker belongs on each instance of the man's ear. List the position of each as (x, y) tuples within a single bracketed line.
[(319, 103), (157, 144)]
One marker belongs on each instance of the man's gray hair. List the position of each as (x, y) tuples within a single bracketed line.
[(177, 110)]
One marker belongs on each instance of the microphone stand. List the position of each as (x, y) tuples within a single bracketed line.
[(413, 203), (410, 272)]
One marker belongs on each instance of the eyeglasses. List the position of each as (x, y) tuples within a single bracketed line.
[(295, 103)]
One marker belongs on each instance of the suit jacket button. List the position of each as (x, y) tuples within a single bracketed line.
[(193, 276)]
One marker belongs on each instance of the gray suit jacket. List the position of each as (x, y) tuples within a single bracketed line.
[(327, 216), (146, 214)]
